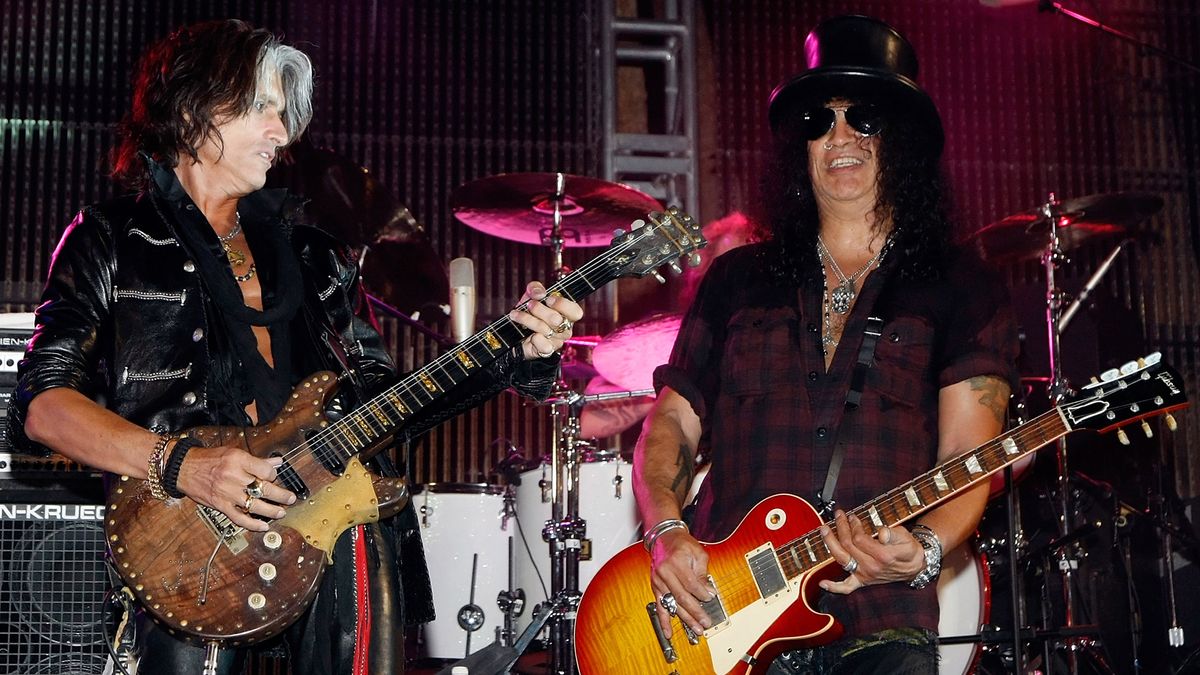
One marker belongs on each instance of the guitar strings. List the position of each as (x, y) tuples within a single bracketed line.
[(441, 363), (744, 583)]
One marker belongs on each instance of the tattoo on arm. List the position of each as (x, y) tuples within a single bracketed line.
[(686, 467), (993, 395)]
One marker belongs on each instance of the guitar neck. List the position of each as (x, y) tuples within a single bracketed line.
[(932, 488), (670, 235)]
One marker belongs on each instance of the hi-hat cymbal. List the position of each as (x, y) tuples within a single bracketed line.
[(628, 356), (1025, 236), (520, 207)]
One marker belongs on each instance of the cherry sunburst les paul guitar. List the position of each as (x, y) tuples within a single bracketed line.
[(766, 572), (200, 575)]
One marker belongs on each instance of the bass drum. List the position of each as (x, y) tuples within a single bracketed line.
[(466, 533), (606, 503), (964, 595)]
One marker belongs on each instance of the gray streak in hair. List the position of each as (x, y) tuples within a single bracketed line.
[(295, 73)]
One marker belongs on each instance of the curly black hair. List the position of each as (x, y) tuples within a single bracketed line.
[(913, 196)]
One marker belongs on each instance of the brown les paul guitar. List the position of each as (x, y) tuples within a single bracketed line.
[(199, 574), (766, 572)]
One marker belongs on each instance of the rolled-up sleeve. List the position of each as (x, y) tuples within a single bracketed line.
[(982, 335)]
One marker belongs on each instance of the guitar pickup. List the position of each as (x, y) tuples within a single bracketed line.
[(668, 650)]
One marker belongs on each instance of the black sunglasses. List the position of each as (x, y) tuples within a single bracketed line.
[(865, 119)]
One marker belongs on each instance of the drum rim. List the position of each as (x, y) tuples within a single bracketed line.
[(459, 489)]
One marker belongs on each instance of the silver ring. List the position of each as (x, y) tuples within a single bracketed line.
[(254, 489), (564, 326), (668, 603), (544, 356), (850, 566), (249, 500)]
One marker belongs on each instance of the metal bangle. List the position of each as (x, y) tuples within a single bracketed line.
[(659, 530), (154, 469)]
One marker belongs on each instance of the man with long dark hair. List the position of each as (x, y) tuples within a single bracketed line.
[(850, 352), (203, 300)]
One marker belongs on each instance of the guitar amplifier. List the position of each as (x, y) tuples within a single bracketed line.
[(15, 333), (52, 586)]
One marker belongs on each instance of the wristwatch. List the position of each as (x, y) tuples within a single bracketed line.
[(933, 556)]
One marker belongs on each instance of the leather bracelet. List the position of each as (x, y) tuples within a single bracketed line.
[(154, 468), (933, 556), (170, 474), (659, 530)]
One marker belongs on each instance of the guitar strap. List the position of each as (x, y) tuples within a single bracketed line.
[(866, 359)]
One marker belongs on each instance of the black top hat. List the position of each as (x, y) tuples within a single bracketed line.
[(853, 57)]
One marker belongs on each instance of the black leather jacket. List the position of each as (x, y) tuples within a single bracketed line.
[(125, 318)]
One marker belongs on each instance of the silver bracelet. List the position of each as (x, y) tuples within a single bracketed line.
[(659, 530), (933, 556)]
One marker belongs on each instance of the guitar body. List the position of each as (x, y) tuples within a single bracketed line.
[(614, 633), (199, 575)]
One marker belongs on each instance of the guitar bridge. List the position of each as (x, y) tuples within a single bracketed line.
[(228, 532)]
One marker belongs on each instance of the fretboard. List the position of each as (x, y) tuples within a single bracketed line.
[(931, 488), (379, 418)]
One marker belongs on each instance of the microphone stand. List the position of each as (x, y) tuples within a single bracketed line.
[(1057, 8)]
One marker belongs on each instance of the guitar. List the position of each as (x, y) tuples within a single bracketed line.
[(199, 574), (766, 572)]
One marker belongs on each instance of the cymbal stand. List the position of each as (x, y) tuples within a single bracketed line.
[(565, 532), (1067, 554), (554, 236)]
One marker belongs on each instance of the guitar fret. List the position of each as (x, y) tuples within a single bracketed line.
[(939, 481), (874, 515), (911, 495), (972, 464)]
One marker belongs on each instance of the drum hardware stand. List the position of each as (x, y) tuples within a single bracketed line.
[(512, 600), (1067, 554)]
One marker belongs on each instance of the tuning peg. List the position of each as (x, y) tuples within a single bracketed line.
[(675, 267), (1153, 358), (1171, 424), (1110, 375), (1147, 430), (661, 278), (618, 233), (1122, 436), (1129, 368), (694, 259), (636, 224)]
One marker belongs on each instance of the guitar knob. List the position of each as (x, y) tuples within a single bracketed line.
[(1147, 430), (256, 601), (267, 572), (273, 540), (1122, 436), (1171, 422)]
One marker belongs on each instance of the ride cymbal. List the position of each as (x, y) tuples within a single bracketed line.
[(1026, 235), (520, 207)]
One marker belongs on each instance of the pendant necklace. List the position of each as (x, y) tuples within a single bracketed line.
[(236, 257), (842, 296)]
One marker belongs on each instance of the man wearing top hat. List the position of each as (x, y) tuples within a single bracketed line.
[(853, 350)]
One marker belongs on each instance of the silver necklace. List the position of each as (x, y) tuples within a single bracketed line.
[(841, 298)]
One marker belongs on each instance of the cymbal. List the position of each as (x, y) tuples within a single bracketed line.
[(628, 356), (1025, 236), (520, 207)]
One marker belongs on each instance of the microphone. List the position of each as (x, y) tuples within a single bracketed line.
[(462, 298)]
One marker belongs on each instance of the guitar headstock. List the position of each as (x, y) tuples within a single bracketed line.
[(1137, 390), (661, 239)]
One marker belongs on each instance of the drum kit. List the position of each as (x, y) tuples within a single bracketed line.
[(1053, 627), (486, 565)]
